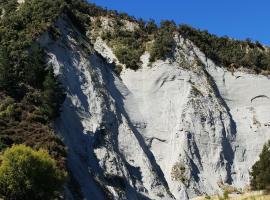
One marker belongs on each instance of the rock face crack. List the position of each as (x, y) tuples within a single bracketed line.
[(150, 140), (259, 96), (238, 77)]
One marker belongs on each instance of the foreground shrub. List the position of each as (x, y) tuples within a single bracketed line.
[(29, 174), (260, 174)]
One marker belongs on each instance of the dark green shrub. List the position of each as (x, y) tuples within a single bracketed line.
[(8, 5), (130, 57), (34, 71), (52, 96), (128, 46), (151, 27), (8, 80), (260, 174), (164, 41), (3, 146), (118, 69)]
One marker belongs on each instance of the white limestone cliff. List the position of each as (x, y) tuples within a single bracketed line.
[(174, 129)]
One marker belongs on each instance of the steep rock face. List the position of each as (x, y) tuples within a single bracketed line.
[(248, 99), (173, 129), (93, 122)]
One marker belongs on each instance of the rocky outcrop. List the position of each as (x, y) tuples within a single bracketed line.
[(173, 129)]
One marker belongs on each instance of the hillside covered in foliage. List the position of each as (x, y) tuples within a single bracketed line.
[(228, 52), (31, 96)]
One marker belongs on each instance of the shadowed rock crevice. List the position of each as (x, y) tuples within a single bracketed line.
[(259, 96)]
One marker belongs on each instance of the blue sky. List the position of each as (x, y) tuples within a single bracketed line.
[(238, 19)]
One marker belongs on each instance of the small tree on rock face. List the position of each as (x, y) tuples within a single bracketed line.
[(260, 174), (29, 174), (53, 95)]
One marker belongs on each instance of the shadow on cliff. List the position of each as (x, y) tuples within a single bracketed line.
[(119, 99)]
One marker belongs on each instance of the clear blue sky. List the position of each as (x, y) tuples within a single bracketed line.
[(238, 19)]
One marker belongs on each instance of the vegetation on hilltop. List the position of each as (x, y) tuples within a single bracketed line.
[(230, 53), (163, 41), (127, 45)]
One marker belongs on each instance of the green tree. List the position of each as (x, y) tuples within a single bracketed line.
[(164, 41), (52, 95), (35, 69), (260, 174), (2, 145), (7, 78), (29, 174), (151, 26)]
